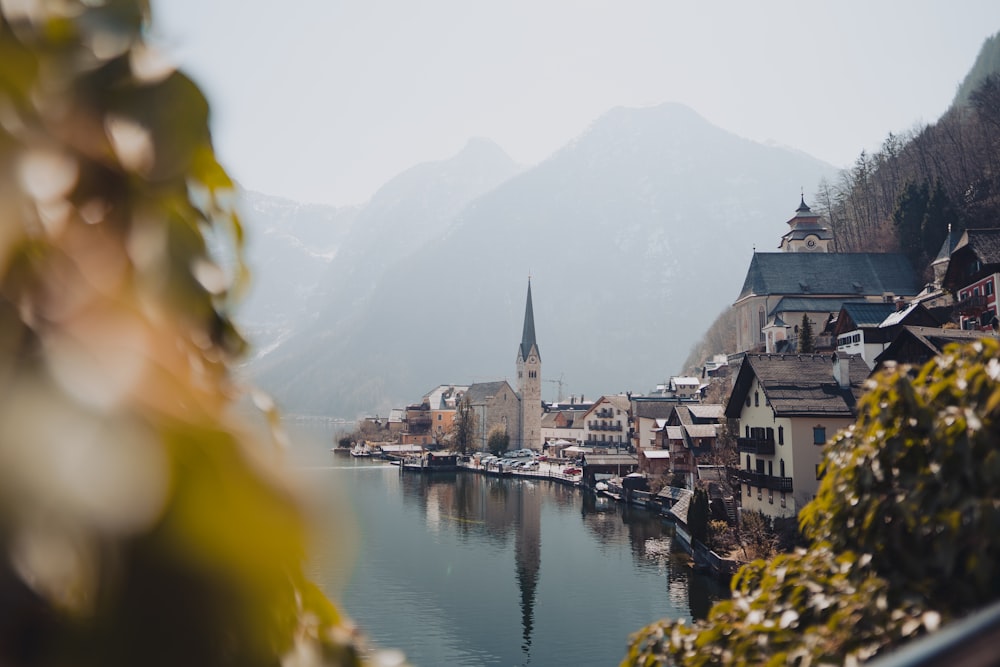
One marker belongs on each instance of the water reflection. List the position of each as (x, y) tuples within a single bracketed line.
[(458, 569)]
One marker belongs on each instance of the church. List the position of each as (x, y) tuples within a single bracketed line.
[(497, 405), (808, 278)]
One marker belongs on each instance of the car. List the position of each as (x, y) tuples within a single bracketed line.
[(572, 471)]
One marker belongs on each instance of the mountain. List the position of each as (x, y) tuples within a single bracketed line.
[(636, 235)]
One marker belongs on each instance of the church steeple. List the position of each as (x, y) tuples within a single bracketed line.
[(529, 380), (528, 335)]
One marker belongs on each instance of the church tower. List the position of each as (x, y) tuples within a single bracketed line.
[(807, 233), (529, 381)]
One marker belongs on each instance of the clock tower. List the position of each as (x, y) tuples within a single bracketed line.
[(529, 381), (807, 233)]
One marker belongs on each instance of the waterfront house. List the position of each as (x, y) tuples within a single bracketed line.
[(646, 416), (605, 424), (690, 434), (787, 407)]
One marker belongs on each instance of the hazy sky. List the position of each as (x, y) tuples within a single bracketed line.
[(325, 100)]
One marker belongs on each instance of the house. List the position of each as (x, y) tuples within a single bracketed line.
[(918, 345), (647, 415), (867, 329), (605, 424), (689, 433), (807, 280), (561, 422), (972, 276), (787, 407)]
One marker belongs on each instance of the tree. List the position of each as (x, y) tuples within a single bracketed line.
[(698, 516), (463, 429), (807, 344), (498, 440), (900, 533), (140, 523)]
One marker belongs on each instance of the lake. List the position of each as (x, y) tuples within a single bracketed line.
[(462, 569)]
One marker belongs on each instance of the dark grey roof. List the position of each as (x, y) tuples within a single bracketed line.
[(828, 274), (799, 384), (483, 391), (806, 304), (868, 314), (947, 247), (918, 344), (985, 243), (528, 334), (653, 409)]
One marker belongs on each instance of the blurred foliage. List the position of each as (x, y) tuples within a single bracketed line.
[(139, 523), (904, 532)]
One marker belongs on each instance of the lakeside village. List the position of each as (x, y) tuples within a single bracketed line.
[(811, 326)]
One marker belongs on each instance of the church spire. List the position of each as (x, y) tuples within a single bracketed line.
[(528, 335)]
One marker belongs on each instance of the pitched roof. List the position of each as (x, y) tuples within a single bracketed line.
[(867, 314), (829, 274), (653, 409), (483, 391), (813, 304), (707, 411), (984, 242), (701, 430), (799, 384), (918, 344), (656, 453)]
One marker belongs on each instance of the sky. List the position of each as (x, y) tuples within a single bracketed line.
[(326, 100)]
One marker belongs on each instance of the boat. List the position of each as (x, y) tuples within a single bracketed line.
[(361, 450), (432, 462)]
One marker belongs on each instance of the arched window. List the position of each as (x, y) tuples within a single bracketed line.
[(781, 436), (760, 320), (756, 399)]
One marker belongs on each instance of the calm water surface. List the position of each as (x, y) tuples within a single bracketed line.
[(459, 569)]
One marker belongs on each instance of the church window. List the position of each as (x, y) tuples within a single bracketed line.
[(760, 319)]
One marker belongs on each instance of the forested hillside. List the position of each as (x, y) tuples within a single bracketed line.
[(903, 197)]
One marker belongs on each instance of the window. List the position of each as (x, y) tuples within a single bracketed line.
[(782, 465), (756, 399), (975, 291), (770, 496), (988, 287), (439, 417), (748, 490), (748, 400), (748, 462), (781, 435), (782, 498), (758, 493), (819, 435)]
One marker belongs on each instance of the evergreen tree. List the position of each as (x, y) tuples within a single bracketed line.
[(806, 342), (698, 515), (939, 215), (909, 219)]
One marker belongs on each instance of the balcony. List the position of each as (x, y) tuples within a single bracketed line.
[(760, 446), (971, 305), (759, 479)]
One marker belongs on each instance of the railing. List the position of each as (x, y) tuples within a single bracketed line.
[(971, 305), (761, 446), (763, 481)]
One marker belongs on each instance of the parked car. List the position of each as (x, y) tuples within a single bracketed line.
[(572, 471)]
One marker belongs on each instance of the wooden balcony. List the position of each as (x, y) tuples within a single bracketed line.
[(971, 305), (760, 446), (765, 481)]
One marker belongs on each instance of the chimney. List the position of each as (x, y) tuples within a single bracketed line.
[(900, 304), (842, 371)]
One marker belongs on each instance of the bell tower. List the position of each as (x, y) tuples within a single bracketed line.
[(529, 380)]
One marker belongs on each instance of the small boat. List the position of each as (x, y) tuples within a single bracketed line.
[(361, 450)]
